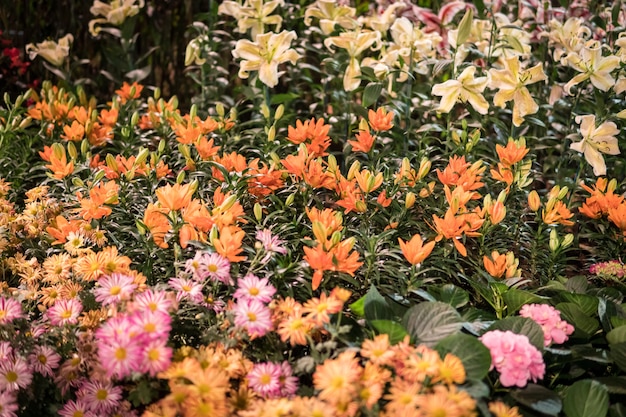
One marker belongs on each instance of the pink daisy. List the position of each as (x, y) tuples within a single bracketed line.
[(197, 266), (154, 300), (15, 374), (119, 356), (114, 288), (254, 316), (214, 304), (101, 398), (270, 243), (6, 351), (251, 287), (288, 382), (153, 324), (218, 268), (264, 379), (10, 309), (187, 289), (75, 409), (157, 357), (119, 326), (44, 360), (64, 312), (8, 404)]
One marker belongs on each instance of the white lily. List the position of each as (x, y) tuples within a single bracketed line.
[(596, 141)]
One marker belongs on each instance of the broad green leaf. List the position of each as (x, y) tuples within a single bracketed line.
[(465, 27), (521, 325), (617, 335), (587, 303), (617, 410), (429, 322), (371, 93), (474, 355), (577, 284), (515, 299), (375, 306), (394, 329), (585, 326), (586, 398), (618, 354), (453, 295), (539, 398), (614, 384), (358, 307)]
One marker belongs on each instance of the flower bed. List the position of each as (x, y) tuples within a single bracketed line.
[(366, 211)]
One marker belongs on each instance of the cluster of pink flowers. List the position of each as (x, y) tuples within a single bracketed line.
[(111, 289), (273, 380), (612, 268), (136, 341), (251, 310), (514, 357), (207, 265), (554, 329), (94, 398)]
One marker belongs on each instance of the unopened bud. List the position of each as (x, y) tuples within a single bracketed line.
[(180, 177), (355, 167), (258, 212), (290, 199), (280, 111), (424, 168), (534, 202), (271, 133), (71, 150), (410, 200), (554, 240), (567, 240)]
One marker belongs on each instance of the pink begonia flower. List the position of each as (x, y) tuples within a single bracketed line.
[(554, 329), (514, 357)]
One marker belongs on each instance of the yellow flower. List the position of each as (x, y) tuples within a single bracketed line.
[(264, 55), (330, 14), (51, 51), (254, 15), (465, 88), (593, 66), (355, 42), (511, 83), (595, 141), (114, 13)]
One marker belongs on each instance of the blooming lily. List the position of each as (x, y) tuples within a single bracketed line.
[(465, 88), (355, 42), (595, 141), (53, 52)]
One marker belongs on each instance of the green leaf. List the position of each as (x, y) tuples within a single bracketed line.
[(521, 325), (586, 398), (394, 329), (577, 284), (515, 299), (429, 322), (617, 410), (618, 354), (539, 399), (587, 303), (375, 306), (358, 307), (371, 93), (475, 356), (465, 27), (453, 295), (585, 326), (617, 335), (614, 384)]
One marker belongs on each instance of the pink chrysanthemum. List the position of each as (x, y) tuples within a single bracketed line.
[(197, 266), (15, 374), (514, 357), (74, 409), (288, 382), (114, 288), (254, 316), (100, 397), (6, 351), (120, 356), (264, 379), (153, 325), (187, 289), (64, 312), (10, 309), (271, 243), (44, 360), (154, 300), (554, 329), (251, 287), (218, 268), (156, 357), (8, 404)]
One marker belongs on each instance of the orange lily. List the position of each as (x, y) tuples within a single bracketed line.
[(58, 162), (228, 244), (495, 264), (414, 250), (380, 120), (175, 197)]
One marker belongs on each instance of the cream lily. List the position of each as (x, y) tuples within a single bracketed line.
[(355, 42), (465, 88), (511, 83), (596, 141), (264, 55), (592, 66), (53, 52), (331, 14), (253, 15), (114, 13)]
